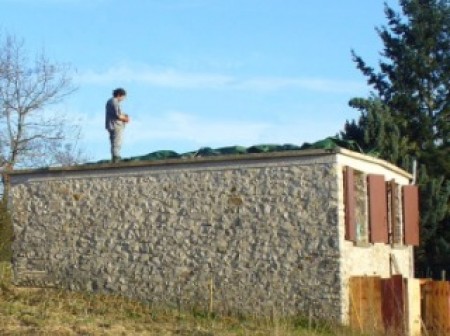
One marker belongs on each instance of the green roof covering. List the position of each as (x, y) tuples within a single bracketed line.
[(327, 143)]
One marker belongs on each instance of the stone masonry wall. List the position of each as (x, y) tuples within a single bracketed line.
[(264, 234)]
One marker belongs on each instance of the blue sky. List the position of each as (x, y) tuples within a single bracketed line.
[(205, 72)]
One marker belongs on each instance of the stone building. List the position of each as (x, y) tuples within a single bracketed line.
[(253, 233)]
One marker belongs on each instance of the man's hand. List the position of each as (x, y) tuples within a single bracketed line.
[(125, 118)]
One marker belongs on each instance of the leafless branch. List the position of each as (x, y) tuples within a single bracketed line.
[(29, 133)]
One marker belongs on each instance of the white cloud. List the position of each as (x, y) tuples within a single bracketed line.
[(176, 126), (148, 133), (311, 84), (198, 132), (183, 131), (171, 78), (164, 78)]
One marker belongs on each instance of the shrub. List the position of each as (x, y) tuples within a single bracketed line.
[(6, 231)]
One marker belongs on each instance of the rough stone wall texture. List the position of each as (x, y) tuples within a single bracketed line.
[(265, 235)]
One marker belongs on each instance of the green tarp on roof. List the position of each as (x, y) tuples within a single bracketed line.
[(327, 143)]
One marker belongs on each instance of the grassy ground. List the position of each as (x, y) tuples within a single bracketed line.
[(26, 311)]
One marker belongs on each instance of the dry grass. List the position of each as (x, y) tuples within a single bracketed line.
[(26, 311)]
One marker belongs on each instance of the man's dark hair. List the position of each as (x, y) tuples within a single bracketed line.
[(119, 92)]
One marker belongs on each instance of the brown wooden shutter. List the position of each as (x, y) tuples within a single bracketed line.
[(411, 214), (350, 204), (378, 223)]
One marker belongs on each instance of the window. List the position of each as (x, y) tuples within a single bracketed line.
[(394, 213), (355, 189), (362, 229), (350, 204), (377, 211)]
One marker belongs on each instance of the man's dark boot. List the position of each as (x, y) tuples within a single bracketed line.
[(116, 159)]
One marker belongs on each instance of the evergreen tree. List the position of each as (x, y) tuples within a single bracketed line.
[(433, 255), (407, 115)]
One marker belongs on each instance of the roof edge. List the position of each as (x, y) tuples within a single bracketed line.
[(214, 159), (178, 161), (372, 159)]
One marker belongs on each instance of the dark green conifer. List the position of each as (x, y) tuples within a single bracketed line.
[(407, 115)]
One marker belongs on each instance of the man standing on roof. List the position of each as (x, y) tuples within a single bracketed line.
[(115, 121)]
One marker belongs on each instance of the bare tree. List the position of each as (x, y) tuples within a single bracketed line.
[(31, 133)]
